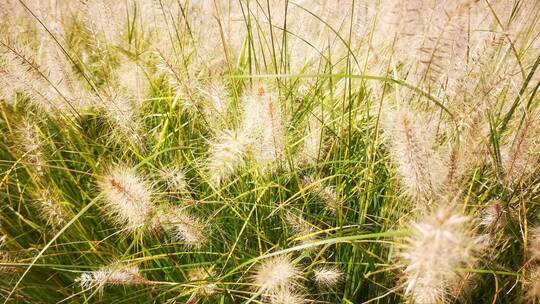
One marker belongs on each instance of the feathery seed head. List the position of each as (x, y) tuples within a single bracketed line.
[(31, 145), (216, 104), (29, 136), (123, 113), (49, 81), (494, 216), (300, 227), (200, 274), (20, 72), (327, 276), (218, 97), (184, 83), (7, 95), (51, 209), (463, 286), (437, 247), (62, 78), (174, 177), (330, 197), (226, 156), (276, 273), (286, 295), (534, 243), (411, 144), (518, 155), (264, 126), (210, 289), (103, 22), (133, 79), (326, 193), (532, 283), (127, 198), (117, 274), (185, 227)]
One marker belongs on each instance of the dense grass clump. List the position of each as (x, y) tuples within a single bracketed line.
[(269, 151)]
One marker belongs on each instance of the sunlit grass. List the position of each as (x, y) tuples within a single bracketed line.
[(259, 151)]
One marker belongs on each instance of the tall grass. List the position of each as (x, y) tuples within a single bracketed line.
[(269, 151)]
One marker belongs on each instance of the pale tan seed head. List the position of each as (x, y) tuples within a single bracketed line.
[(123, 115), (202, 278), (127, 198), (439, 245), (532, 283), (30, 145), (184, 227), (276, 273), (51, 208), (494, 216), (533, 245), (327, 276), (286, 295), (263, 126), (301, 229), (226, 156), (324, 191), (518, 153), (174, 177), (115, 274), (412, 145)]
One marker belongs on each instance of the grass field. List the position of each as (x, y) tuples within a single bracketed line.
[(269, 151)]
